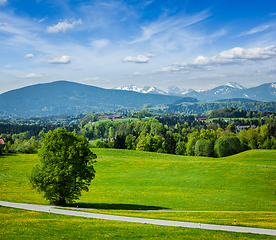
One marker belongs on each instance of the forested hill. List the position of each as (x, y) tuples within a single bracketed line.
[(63, 97)]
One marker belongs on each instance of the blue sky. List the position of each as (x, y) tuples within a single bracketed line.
[(189, 44)]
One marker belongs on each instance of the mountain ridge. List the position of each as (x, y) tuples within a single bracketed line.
[(263, 92), (64, 97)]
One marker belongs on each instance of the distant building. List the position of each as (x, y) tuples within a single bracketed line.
[(114, 117), (239, 128), (202, 119), (2, 144)]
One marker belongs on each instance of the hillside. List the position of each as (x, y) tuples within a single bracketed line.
[(142, 180), (63, 97)]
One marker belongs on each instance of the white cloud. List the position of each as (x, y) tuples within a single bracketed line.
[(60, 60), (170, 69), (63, 26), (29, 55), (139, 59), (33, 75), (232, 56), (235, 55), (97, 44)]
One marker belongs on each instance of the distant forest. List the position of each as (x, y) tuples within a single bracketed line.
[(145, 131), (205, 108)]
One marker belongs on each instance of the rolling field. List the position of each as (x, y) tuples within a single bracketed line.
[(130, 181)]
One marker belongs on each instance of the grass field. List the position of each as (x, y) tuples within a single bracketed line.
[(130, 181), (22, 224)]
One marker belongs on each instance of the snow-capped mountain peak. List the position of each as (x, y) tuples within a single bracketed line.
[(146, 89), (172, 90), (264, 92), (235, 85)]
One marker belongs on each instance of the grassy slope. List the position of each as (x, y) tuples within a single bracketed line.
[(141, 180), (242, 182)]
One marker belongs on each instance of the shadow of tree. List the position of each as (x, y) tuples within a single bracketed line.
[(6, 155), (113, 206)]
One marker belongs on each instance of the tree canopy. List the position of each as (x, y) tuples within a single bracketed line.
[(66, 167)]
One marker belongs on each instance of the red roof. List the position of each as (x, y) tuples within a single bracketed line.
[(2, 141)]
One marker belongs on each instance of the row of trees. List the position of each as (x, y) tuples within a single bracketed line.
[(174, 134), (26, 138), (238, 113), (205, 108), (200, 140)]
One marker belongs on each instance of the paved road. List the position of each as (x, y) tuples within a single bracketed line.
[(51, 209)]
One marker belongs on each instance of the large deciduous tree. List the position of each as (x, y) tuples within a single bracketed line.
[(66, 167), (204, 147), (227, 146)]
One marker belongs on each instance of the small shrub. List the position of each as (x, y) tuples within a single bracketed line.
[(99, 144)]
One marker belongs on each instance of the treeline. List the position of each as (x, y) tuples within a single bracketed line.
[(26, 138), (61, 120), (33, 130), (239, 113), (171, 133), (217, 138), (205, 108)]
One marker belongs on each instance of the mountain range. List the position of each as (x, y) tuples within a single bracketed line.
[(63, 97), (172, 90), (264, 92)]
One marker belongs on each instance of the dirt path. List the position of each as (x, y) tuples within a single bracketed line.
[(51, 209)]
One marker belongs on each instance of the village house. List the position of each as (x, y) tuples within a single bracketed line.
[(239, 128), (2, 144)]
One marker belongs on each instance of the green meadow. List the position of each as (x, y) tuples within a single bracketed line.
[(22, 224), (155, 185)]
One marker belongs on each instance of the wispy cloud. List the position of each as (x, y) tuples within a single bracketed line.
[(168, 24), (60, 60), (139, 59), (41, 20), (34, 75), (63, 26), (208, 76), (3, 2), (258, 29), (94, 79), (100, 43)]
